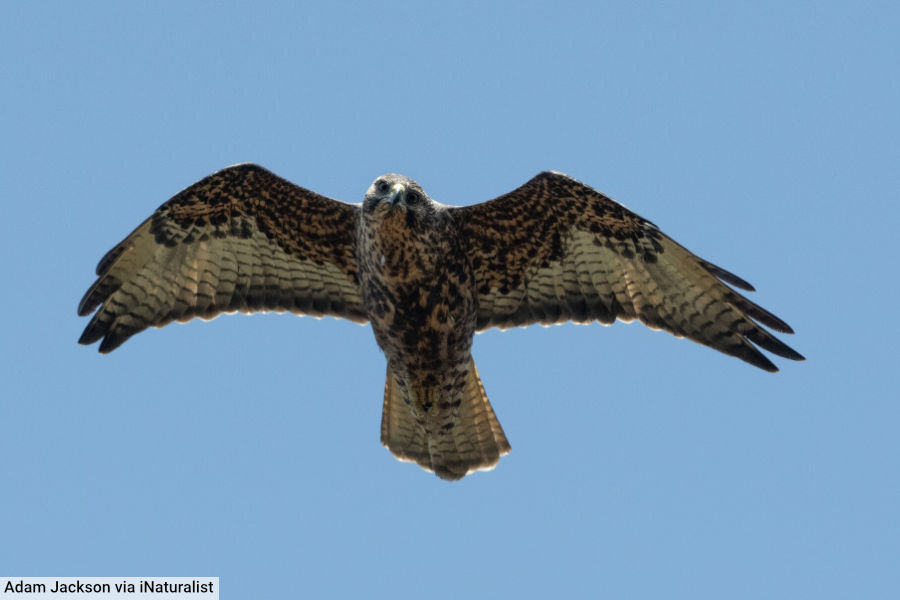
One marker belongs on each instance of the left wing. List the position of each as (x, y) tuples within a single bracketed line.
[(242, 239), (555, 250)]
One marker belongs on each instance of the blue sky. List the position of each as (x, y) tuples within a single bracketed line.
[(763, 136)]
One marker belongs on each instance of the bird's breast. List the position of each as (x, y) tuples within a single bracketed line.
[(419, 292)]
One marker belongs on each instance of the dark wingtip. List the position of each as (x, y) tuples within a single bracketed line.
[(92, 332), (87, 338), (111, 342), (764, 363), (104, 347), (767, 341), (86, 306), (793, 355), (110, 335), (771, 368), (728, 277)]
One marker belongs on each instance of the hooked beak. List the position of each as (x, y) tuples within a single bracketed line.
[(398, 194)]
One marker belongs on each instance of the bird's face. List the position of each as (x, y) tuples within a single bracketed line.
[(394, 194)]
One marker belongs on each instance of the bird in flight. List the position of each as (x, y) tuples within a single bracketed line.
[(427, 277)]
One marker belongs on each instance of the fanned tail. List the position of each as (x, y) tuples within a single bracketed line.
[(449, 429)]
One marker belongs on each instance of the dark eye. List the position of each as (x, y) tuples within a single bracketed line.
[(382, 186)]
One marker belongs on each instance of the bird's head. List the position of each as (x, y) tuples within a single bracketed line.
[(394, 193)]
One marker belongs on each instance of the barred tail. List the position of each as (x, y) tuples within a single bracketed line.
[(451, 433)]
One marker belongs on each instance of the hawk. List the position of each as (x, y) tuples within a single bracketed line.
[(427, 277)]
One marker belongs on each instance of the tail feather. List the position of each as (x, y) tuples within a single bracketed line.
[(399, 431), (448, 429)]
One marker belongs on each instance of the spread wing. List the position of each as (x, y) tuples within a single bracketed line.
[(555, 250), (243, 239)]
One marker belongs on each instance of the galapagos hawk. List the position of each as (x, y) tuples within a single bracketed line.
[(427, 277)]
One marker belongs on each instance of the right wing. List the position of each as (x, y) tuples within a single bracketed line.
[(555, 250)]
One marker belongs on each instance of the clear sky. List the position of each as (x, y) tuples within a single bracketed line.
[(761, 135)]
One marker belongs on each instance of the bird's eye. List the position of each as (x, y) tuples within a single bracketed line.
[(382, 186)]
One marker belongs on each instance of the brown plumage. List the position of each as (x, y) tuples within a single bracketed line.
[(427, 277)]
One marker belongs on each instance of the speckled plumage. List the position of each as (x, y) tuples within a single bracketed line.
[(427, 277)]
